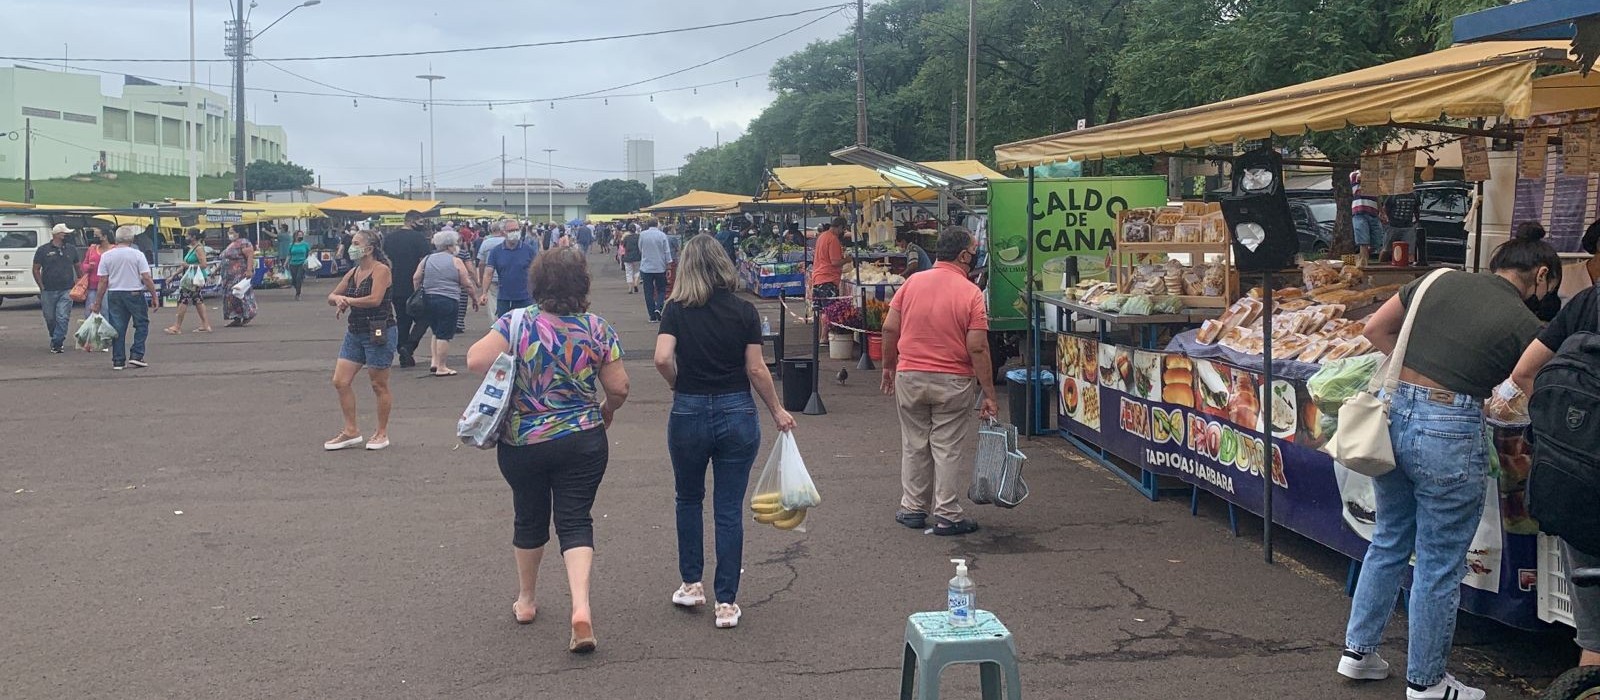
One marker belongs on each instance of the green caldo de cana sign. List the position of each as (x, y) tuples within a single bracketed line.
[(1072, 217)]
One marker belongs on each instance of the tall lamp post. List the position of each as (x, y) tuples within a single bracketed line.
[(524, 127), (550, 182), (433, 163), (241, 38)]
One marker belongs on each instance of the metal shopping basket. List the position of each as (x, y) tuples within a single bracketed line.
[(997, 477)]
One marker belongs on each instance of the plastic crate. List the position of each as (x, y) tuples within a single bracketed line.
[(1555, 590)]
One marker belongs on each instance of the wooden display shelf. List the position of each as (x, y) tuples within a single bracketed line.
[(1148, 248)]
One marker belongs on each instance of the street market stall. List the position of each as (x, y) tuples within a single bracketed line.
[(1193, 409)]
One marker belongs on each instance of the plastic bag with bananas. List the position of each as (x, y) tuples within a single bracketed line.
[(784, 492)]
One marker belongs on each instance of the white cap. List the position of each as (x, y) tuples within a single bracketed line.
[(61, 228)]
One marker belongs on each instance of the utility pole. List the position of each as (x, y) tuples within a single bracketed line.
[(504, 202), (433, 163), (954, 120), (524, 127), (189, 128), (861, 76), (27, 160), (550, 183), (240, 44), (972, 77)]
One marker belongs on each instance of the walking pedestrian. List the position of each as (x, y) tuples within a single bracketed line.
[(125, 283), (655, 253), (935, 363), (100, 243), (629, 256), (55, 271), (496, 238), (190, 289), (365, 294), (554, 450), (1467, 336), (1364, 218), (585, 238), (442, 278), (406, 247), (709, 351), (238, 264), (827, 263), (299, 251), (509, 262), (343, 254)]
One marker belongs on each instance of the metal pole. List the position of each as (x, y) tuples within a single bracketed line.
[(504, 202), (239, 47), (972, 76), (433, 162), (550, 183), (861, 76), (814, 405), (1266, 413), (190, 116), (27, 160), (524, 126), (1032, 364), (954, 121)]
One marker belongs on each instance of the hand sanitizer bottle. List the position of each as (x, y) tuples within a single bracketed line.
[(961, 598), (766, 326)]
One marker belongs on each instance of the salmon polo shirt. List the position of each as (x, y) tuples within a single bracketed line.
[(937, 307)]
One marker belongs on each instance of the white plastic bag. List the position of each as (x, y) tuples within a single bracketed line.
[(313, 263), (784, 491), (195, 278), (95, 333), (241, 288), (484, 418)]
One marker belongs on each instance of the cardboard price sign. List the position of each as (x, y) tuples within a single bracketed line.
[(1402, 171), (1530, 163), (1474, 159), (1575, 149)]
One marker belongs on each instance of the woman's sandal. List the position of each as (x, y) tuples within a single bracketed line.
[(520, 619), (169, 330), (203, 329), (583, 641)]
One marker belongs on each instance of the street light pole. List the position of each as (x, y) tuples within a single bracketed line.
[(433, 162), (550, 183), (524, 127), (190, 116), (241, 49)]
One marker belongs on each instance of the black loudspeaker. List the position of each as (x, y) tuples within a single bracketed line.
[(1258, 172), (1262, 232)]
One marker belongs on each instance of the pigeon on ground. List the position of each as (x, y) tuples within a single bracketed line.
[(844, 373)]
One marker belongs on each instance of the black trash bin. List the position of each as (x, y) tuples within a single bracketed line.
[(1017, 398), (796, 383)]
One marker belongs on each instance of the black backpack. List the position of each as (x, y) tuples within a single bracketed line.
[(1564, 486)]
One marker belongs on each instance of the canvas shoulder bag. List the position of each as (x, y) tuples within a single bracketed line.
[(1361, 443), (484, 418)]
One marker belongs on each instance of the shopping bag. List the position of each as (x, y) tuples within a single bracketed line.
[(241, 288), (484, 418), (80, 291), (194, 278), (784, 492), (95, 333), (997, 476), (313, 263)]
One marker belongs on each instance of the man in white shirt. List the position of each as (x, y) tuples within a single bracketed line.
[(496, 237), (655, 253), (124, 280)]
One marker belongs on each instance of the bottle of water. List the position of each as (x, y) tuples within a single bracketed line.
[(962, 597), (766, 326)]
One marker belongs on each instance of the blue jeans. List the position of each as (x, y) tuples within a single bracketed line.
[(504, 306), (725, 431), (655, 292), (123, 308), (1368, 230), (1430, 504), (57, 307)]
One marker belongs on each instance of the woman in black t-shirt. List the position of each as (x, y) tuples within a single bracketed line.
[(709, 351)]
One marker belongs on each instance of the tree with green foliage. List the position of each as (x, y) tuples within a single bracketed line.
[(267, 175), (615, 196), (666, 188)]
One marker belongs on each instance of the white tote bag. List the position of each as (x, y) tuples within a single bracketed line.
[(484, 418), (1362, 442), (313, 263), (241, 288)]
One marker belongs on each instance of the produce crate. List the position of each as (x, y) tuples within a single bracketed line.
[(771, 286), (1555, 590)]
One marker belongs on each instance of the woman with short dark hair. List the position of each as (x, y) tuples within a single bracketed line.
[(238, 264), (191, 284), (553, 452)]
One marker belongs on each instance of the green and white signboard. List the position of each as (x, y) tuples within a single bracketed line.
[(1072, 217)]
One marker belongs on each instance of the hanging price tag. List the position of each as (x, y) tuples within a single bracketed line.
[(1575, 149), (1371, 180), (1474, 159), (1530, 163), (1381, 182), (1403, 171)]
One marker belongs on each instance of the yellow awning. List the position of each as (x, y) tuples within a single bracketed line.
[(14, 205), (1489, 79), (698, 200), (609, 218), (965, 169), (371, 204), (466, 213), (849, 182)]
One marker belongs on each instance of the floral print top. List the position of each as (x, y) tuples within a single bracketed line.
[(557, 392)]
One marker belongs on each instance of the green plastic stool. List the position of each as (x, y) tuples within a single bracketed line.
[(932, 643)]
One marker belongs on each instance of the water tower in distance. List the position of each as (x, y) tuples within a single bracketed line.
[(640, 156)]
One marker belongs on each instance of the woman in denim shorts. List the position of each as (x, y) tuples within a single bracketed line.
[(364, 295)]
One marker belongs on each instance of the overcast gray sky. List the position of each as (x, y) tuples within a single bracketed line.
[(377, 143)]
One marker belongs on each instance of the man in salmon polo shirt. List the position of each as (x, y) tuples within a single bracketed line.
[(935, 362), (827, 265)]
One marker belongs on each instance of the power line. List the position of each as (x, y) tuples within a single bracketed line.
[(472, 49)]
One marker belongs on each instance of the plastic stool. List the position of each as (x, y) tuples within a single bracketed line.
[(932, 644)]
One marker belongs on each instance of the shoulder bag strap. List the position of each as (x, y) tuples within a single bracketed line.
[(1391, 376)]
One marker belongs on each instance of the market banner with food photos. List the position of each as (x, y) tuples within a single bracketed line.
[(1199, 420), (1072, 217)]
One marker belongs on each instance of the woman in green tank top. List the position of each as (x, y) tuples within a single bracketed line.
[(192, 276)]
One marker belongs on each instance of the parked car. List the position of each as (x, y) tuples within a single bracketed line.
[(1441, 219), (1313, 222)]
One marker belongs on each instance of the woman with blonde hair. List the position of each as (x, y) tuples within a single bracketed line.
[(709, 351)]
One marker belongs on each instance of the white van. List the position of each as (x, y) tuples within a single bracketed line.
[(20, 237)]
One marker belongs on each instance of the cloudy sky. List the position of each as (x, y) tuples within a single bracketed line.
[(377, 143)]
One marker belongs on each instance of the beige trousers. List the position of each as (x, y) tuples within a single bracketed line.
[(937, 420)]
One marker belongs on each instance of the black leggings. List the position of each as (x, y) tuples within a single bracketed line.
[(297, 274), (558, 477)]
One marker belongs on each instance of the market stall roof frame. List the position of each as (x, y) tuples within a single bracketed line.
[(1490, 79), (374, 204), (854, 183), (891, 165), (697, 201)]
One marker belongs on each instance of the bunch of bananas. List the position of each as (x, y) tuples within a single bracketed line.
[(768, 508)]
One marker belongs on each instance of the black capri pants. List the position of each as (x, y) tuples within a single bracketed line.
[(555, 479)]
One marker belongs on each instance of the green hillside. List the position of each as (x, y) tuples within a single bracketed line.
[(124, 190)]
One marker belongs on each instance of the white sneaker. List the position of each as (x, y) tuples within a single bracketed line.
[(1447, 689), (1363, 667), (728, 615), (333, 445), (689, 595)]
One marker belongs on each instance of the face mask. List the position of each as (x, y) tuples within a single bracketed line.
[(357, 252), (513, 236)]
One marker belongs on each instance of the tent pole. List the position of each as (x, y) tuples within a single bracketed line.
[(1031, 392)]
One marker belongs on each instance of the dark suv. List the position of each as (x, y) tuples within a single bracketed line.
[(1441, 220), (1313, 222)]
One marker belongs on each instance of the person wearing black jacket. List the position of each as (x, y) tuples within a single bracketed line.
[(406, 247)]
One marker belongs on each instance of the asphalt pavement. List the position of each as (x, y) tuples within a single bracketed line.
[(178, 532)]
